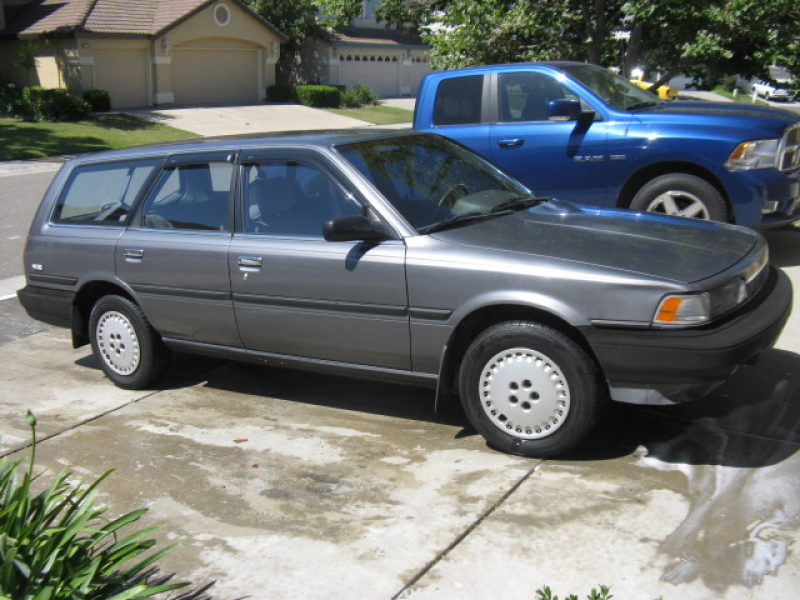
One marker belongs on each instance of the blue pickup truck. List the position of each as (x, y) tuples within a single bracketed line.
[(581, 133)]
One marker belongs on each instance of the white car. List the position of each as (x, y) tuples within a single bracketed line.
[(780, 90)]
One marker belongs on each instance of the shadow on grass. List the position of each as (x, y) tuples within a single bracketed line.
[(21, 140)]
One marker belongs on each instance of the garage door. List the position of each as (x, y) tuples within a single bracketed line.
[(206, 76), (380, 75), (123, 74)]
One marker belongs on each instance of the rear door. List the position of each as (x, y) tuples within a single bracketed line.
[(175, 257), (295, 293)]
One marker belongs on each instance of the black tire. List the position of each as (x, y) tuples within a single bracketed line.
[(681, 195), (544, 406), (129, 350)]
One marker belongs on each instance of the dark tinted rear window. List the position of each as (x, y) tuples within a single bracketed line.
[(458, 101)]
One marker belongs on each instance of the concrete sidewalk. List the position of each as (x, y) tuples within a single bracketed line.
[(288, 485)]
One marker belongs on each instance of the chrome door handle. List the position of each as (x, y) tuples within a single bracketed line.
[(510, 142), (134, 253), (253, 262)]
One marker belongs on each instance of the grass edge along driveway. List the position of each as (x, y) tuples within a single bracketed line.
[(21, 140)]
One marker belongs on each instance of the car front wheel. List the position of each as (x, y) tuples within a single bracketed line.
[(529, 389), (681, 195), (129, 350)]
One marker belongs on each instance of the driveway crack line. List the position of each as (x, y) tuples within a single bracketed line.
[(468, 531), (41, 440)]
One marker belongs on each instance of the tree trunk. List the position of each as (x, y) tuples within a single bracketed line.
[(632, 51)]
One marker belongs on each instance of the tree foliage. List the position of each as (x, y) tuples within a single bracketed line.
[(301, 19), (702, 37)]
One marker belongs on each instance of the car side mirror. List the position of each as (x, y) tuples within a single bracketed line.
[(353, 229), (569, 110)]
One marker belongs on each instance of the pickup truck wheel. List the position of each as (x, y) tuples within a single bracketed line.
[(681, 195), (529, 389), (129, 350)]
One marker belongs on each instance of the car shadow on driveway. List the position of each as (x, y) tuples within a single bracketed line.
[(751, 421)]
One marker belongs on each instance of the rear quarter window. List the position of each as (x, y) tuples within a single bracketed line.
[(103, 194), (458, 101)]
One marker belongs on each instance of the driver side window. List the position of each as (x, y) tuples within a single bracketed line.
[(527, 96), (281, 197)]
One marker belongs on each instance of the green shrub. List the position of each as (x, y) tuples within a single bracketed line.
[(603, 594), (359, 96), (10, 97), (279, 93), (53, 547), (350, 99), (99, 100), (42, 104), (365, 94), (318, 96)]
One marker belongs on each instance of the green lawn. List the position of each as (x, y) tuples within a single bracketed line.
[(379, 115), (19, 140)]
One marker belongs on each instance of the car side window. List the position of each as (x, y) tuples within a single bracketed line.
[(102, 194), (193, 196), (458, 101), (282, 197), (527, 96)]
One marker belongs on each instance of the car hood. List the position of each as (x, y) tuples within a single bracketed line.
[(666, 248)]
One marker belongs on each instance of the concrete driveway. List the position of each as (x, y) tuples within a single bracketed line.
[(230, 120), (287, 485)]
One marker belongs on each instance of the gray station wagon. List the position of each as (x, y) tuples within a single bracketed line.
[(399, 256)]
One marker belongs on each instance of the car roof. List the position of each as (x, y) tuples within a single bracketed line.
[(291, 139)]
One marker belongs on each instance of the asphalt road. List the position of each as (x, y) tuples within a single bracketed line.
[(20, 195)]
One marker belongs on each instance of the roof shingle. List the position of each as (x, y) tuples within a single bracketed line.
[(106, 17)]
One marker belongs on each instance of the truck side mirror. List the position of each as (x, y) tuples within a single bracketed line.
[(569, 110)]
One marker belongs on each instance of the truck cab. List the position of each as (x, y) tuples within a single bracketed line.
[(580, 133)]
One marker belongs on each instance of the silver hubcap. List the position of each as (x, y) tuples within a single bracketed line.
[(118, 343), (679, 204), (524, 393)]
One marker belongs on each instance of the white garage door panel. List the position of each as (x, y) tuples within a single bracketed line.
[(123, 74), (380, 76), (215, 76)]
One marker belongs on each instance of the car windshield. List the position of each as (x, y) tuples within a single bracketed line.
[(616, 91), (435, 183)]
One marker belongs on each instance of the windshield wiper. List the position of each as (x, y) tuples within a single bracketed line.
[(519, 203), (458, 219), (645, 104)]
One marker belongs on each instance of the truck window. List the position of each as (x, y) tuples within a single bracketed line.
[(458, 101), (526, 96)]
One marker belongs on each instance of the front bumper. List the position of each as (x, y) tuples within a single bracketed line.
[(659, 366)]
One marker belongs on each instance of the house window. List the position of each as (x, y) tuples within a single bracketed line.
[(222, 14)]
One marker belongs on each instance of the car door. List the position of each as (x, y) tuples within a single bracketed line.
[(175, 257), (296, 294), (561, 158)]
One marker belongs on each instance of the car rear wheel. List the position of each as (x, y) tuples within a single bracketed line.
[(529, 389), (129, 350), (681, 195)]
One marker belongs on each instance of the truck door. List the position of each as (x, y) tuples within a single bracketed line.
[(560, 158)]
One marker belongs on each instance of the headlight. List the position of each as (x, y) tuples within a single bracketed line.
[(695, 309), (678, 309), (756, 154)]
